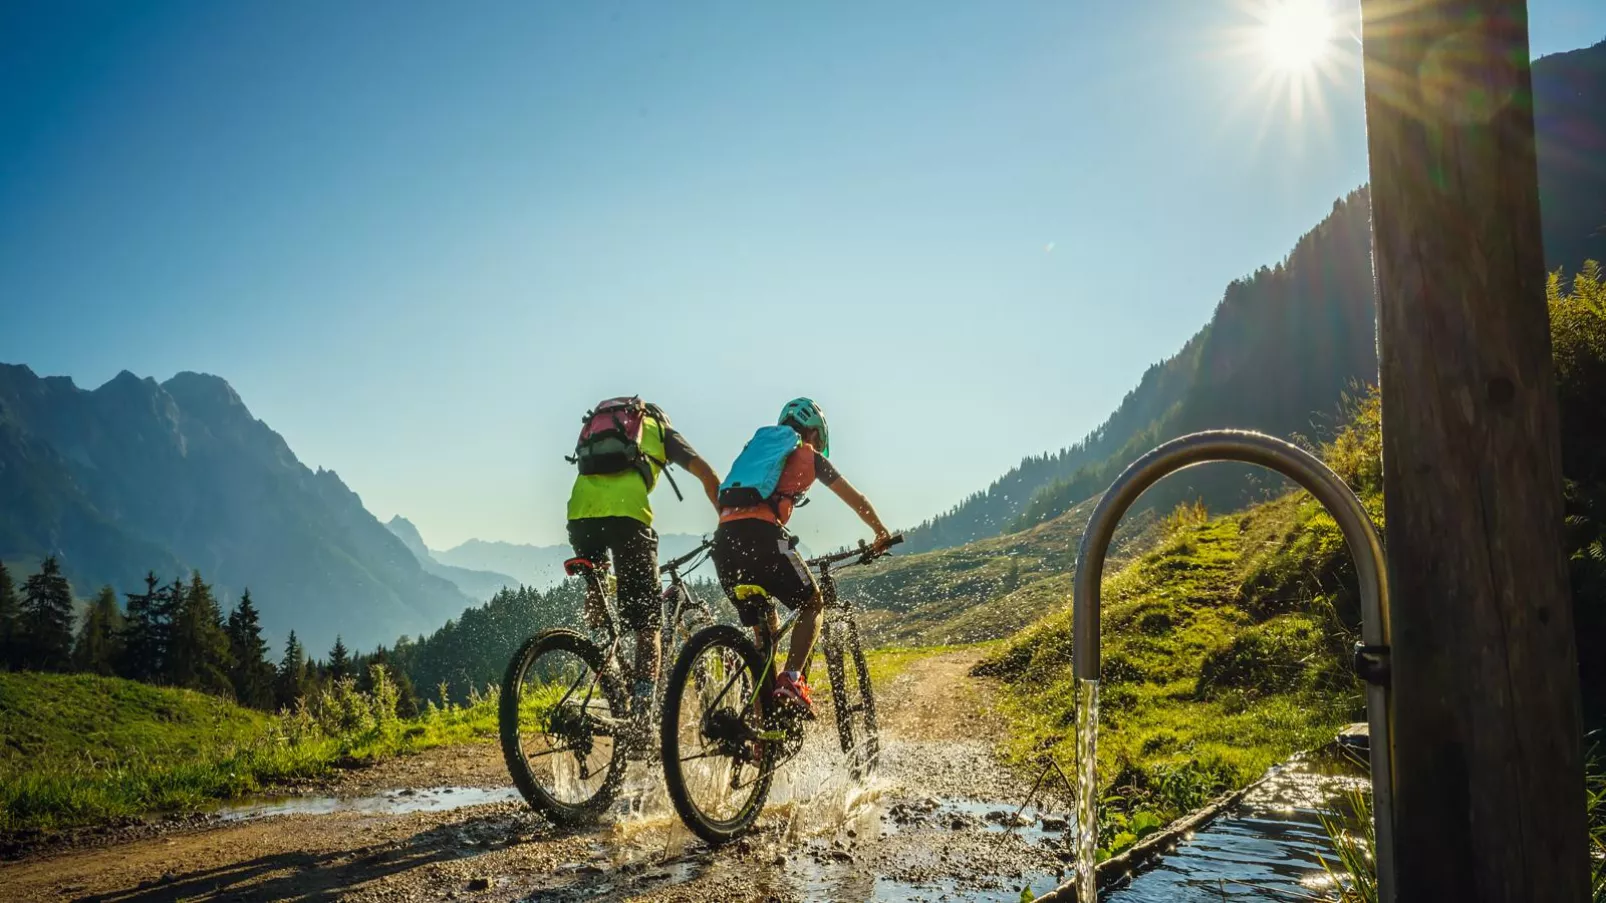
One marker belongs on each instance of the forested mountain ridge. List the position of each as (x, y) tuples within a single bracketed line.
[(138, 475), (1285, 343), (1308, 320)]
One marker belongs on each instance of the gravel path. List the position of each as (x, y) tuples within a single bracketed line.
[(929, 826)]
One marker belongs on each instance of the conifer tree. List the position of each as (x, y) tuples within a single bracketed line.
[(10, 615), (98, 649), (291, 682), (252, 674), (402, 659), (339, 661), (198, 657), (145, 634), (47, 618), (406, 696)]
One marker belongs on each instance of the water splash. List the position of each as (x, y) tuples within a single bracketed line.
[(813, 792), (820, 797), (1087, 789)]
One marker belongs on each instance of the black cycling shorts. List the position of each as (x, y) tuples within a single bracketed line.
[(758, 552), (634, 550)]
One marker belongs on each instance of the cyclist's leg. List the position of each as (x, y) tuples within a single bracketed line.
[(795, 587), (589, 539), (635, 564), (804, 633)]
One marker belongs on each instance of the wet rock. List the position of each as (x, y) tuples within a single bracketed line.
[(407, 792), (1055, 823), (479, 884), (779, 860), (841, 856), (997, 816)]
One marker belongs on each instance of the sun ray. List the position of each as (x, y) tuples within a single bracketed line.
[(1293, 54)]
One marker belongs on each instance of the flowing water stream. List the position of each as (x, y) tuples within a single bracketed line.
[(1269, 847), (1087, 735)]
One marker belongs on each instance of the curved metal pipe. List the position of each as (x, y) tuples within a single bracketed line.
[(1359, 534)]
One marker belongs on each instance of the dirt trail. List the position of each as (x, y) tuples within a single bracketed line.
[(918, 831)]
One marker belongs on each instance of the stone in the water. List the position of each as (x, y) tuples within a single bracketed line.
[(1055, 823)]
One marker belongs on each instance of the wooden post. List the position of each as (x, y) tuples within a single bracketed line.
[(1488, 768)]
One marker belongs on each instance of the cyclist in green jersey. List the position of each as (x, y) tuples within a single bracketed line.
[(627, 444)]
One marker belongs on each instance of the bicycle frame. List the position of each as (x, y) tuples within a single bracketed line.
[(772, 640), (683, 599), (612, 658)]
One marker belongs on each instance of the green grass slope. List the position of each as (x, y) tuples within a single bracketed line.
[(985, 590), (65, 718), (80, 749)]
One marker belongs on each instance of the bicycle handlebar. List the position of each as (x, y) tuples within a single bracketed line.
[(865, 553), (685, 559)]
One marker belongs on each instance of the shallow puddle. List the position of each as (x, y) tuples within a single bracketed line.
[(395, 802)]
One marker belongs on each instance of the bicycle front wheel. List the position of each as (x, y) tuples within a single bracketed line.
[(561, 717), (718, 757), (852, 697)]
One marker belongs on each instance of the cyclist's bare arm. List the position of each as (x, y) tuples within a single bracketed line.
[(862, 507), (699, 468)]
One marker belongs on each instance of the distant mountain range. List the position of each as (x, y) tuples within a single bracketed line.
[(1286, 342), (138, 476), (476, 584), (539, 566)]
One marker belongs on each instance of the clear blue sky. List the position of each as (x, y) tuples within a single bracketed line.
[(420, 238)]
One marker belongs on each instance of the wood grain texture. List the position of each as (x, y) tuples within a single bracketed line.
[(1489, 773)]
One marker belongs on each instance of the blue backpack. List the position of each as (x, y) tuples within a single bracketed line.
[(757, 471)]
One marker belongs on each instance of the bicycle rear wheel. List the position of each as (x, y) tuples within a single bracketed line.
[(718, 758), (852, 696), (560, 719)]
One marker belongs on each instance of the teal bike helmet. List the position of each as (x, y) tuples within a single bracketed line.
[(805, 413)]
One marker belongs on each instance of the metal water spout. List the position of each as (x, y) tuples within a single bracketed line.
[(1371, 655)]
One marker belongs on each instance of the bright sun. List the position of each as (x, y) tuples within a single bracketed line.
[(1297, 33)]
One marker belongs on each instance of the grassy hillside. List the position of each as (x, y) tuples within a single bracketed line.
[(981, 591), (1224, 653), (100, 720), (80, 749)]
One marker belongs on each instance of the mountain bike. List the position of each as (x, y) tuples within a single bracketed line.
[(567, 716), (724, 738)]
